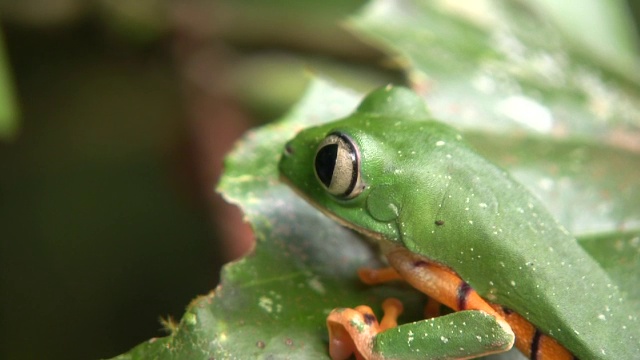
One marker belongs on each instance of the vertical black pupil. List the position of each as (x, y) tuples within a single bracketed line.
[(326, 162)]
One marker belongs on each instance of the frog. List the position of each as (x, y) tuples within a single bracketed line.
[(461, 230)]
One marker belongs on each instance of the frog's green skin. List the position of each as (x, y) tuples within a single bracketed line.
[(424, 188)]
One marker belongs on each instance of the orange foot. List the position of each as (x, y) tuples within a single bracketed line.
[(351, 331)]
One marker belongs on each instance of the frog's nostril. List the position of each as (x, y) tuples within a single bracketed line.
[(288, 149)]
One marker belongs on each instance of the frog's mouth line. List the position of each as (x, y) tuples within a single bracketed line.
[(378, 238)]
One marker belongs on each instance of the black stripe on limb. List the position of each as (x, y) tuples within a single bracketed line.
[(535, 343), (507, 311), (463, 293), (369, 319), (420, 263)]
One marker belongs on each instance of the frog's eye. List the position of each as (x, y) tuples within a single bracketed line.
[(337, 166)]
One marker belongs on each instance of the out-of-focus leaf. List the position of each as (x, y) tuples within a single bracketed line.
[(602, 27), (142, 21), (588, 187), (302, 24), (502, 68), (8, 106), (270, 84), (619, 254), (38, 13)]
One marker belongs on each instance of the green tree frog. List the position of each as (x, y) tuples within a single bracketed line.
[(461, 230)]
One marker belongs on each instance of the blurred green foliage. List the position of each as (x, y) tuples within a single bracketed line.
[(8, 110)]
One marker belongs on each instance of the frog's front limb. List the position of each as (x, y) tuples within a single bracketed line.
[(445, 286), (356, 331), (351, 331)]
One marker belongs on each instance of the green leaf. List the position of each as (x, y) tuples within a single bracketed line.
[(588, 187), (619, 254)]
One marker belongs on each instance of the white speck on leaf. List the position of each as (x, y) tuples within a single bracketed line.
[(266, 304), (410, 338), (316, 285)]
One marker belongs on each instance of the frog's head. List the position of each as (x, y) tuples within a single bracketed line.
[(356, 170)]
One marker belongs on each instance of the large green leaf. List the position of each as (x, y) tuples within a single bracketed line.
[(560, 124)]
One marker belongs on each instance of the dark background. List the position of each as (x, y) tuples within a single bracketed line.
[(103, 230)]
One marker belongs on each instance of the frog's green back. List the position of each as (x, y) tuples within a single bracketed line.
[(502, 241), (454, 207)]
